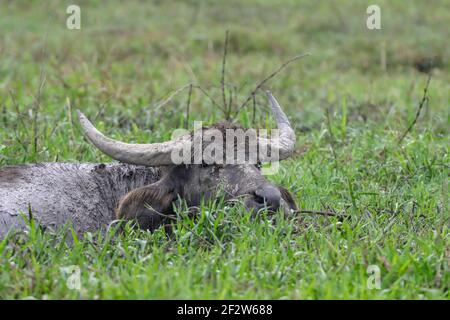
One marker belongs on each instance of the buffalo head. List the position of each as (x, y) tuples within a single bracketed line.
[(193, 181)]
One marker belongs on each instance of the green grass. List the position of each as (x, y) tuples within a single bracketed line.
[(127, 57)]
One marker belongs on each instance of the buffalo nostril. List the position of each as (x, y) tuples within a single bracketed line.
[(259, 199), (269, 195)]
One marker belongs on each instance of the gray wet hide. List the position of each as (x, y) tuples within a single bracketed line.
[(84, 195)]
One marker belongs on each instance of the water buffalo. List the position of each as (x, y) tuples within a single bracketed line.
[(143, 187)]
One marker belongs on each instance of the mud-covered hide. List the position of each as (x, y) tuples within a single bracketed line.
[(56, 193)]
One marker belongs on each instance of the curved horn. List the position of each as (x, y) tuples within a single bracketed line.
[(285, 143), (154, 154)]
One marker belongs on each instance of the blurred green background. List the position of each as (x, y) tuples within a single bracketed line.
[(129, 56)]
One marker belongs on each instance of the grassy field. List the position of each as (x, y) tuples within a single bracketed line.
[(350, 107)]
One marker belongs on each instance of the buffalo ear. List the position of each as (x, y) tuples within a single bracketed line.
[(287, 196), (148, 205)]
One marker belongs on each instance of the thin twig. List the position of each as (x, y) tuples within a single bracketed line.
[(332, 140), (254, 109), (69, 116), (186, 125), (425, 98), (323, 213), (17, 109), (37, 98), (100, 110), (230, 103), (36, 106), (222, 81), (209, 97), (264, 81), (170, 97)]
